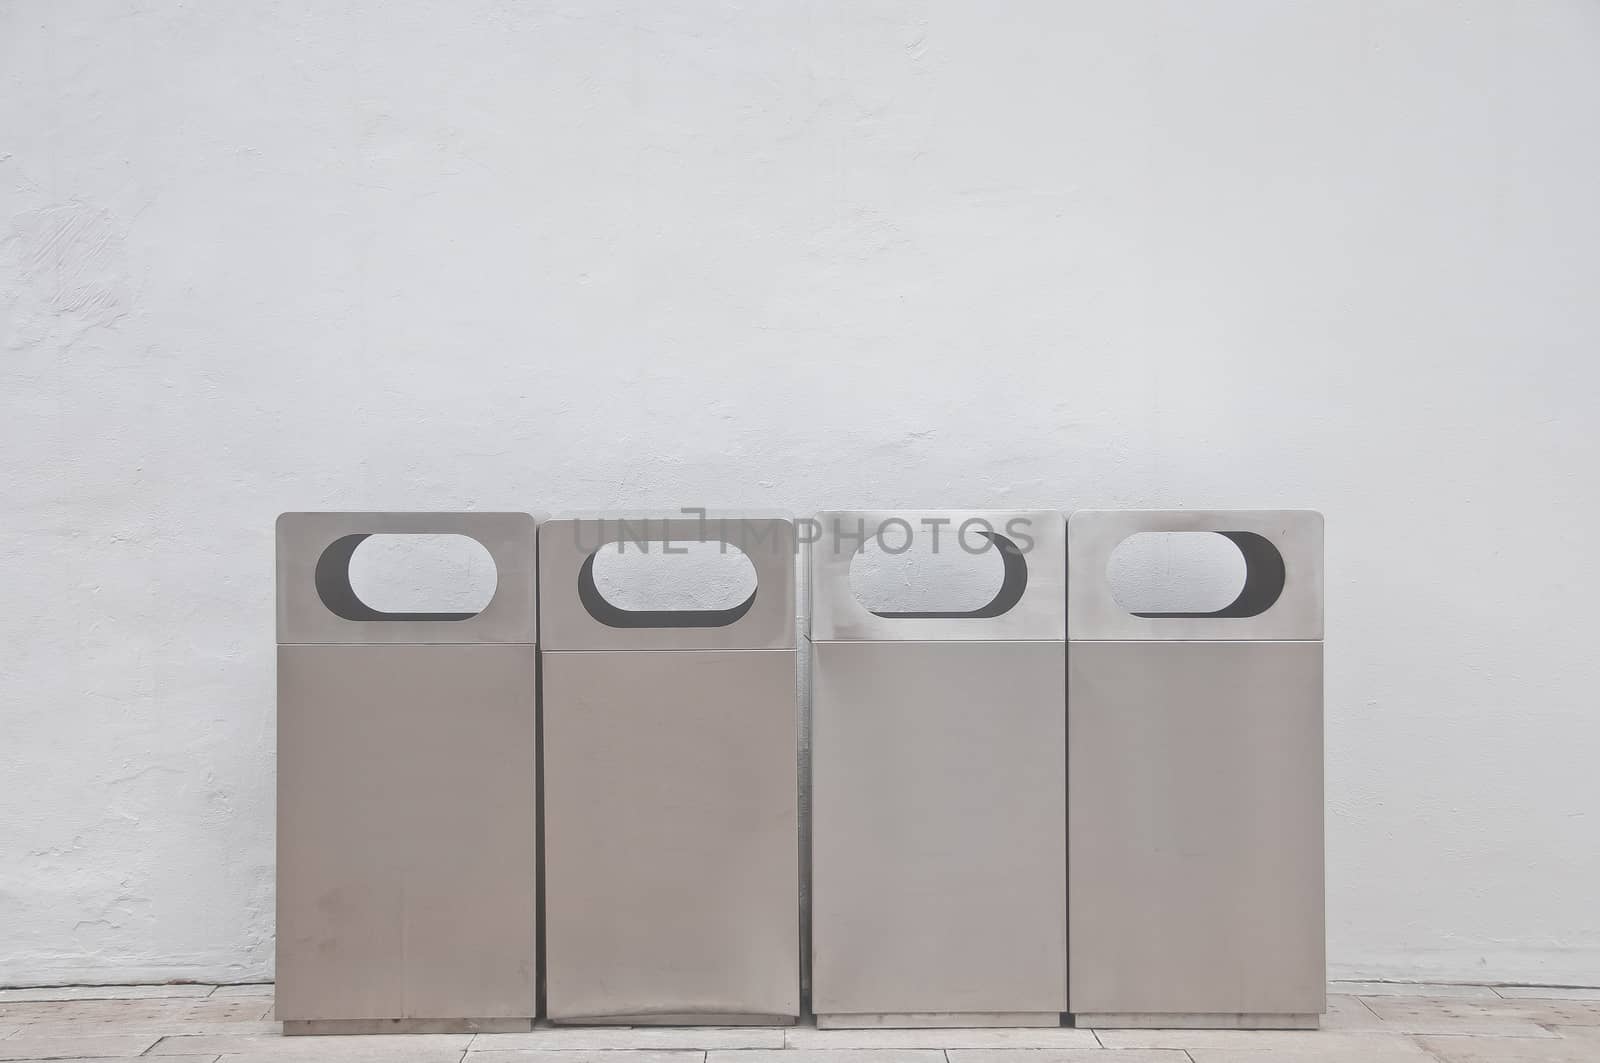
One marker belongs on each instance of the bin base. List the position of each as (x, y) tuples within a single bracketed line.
[(676, 1019), (936, 1019), (333, 1027), (1187, 1021)]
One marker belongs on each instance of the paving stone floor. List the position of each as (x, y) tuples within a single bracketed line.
[(1367, 1022)]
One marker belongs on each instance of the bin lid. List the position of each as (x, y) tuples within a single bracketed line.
[(1281, 600), (316, 604), (1030, 605), (575, 615)]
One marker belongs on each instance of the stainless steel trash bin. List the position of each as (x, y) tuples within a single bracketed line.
[(1195, 793), (406, 789), (939, 784), (671, 786)]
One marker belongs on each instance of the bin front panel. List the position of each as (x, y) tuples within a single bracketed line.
[(406, 865), (939, 827), (1196, 836), (671, 833)]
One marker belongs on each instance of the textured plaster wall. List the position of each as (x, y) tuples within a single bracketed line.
[(269, 256)]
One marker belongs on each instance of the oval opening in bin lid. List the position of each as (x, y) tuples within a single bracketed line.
[(615, 581), (917, 580), (963, 575), (410, 576), (1278, 599), (1196, 574), (318, 601), (629, 584)]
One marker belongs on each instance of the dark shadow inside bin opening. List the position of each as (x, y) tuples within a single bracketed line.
[(596, 605), (1264, 579), (1013, 581), (340, 598)]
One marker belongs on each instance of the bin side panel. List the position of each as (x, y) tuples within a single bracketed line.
[(939, 827), (1196, 836), (671, 833), (406, 819)]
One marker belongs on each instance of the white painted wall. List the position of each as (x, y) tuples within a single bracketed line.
[(257, 257)]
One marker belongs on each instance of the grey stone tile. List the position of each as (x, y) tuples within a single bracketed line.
[(536, 1055), (420, 1048), (1591, 1034), (105, 992), (1536, 992), (22, 1046), (997, 1037), (344, 1054), (1465, 1027), (118, 1059), (1399, 1051), (1260, 1046), (834, 1055), (1555, 1012), (597, 1038), (1067, 1055), (155, 1029), (1484, 1018), (1351, 1014), (101, 1015), (1412, 989), (1468, 1049), (244, 989)]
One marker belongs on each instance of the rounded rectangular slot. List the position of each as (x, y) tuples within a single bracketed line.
[(968, 572), (643, 583), (406, 576), (1220, 574)]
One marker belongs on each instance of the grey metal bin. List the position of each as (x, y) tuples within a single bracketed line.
[(939, 785), (1195, 796), (407, 765), (671, 786)]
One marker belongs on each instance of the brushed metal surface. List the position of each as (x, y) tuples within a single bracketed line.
[(567, 545), (1159, 1021), (305, 540), (938, 828), (1292, 537), (948, 1020), (406, 822), (1039, 613), (366, 1027), (1196, 829), (671, 835)]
